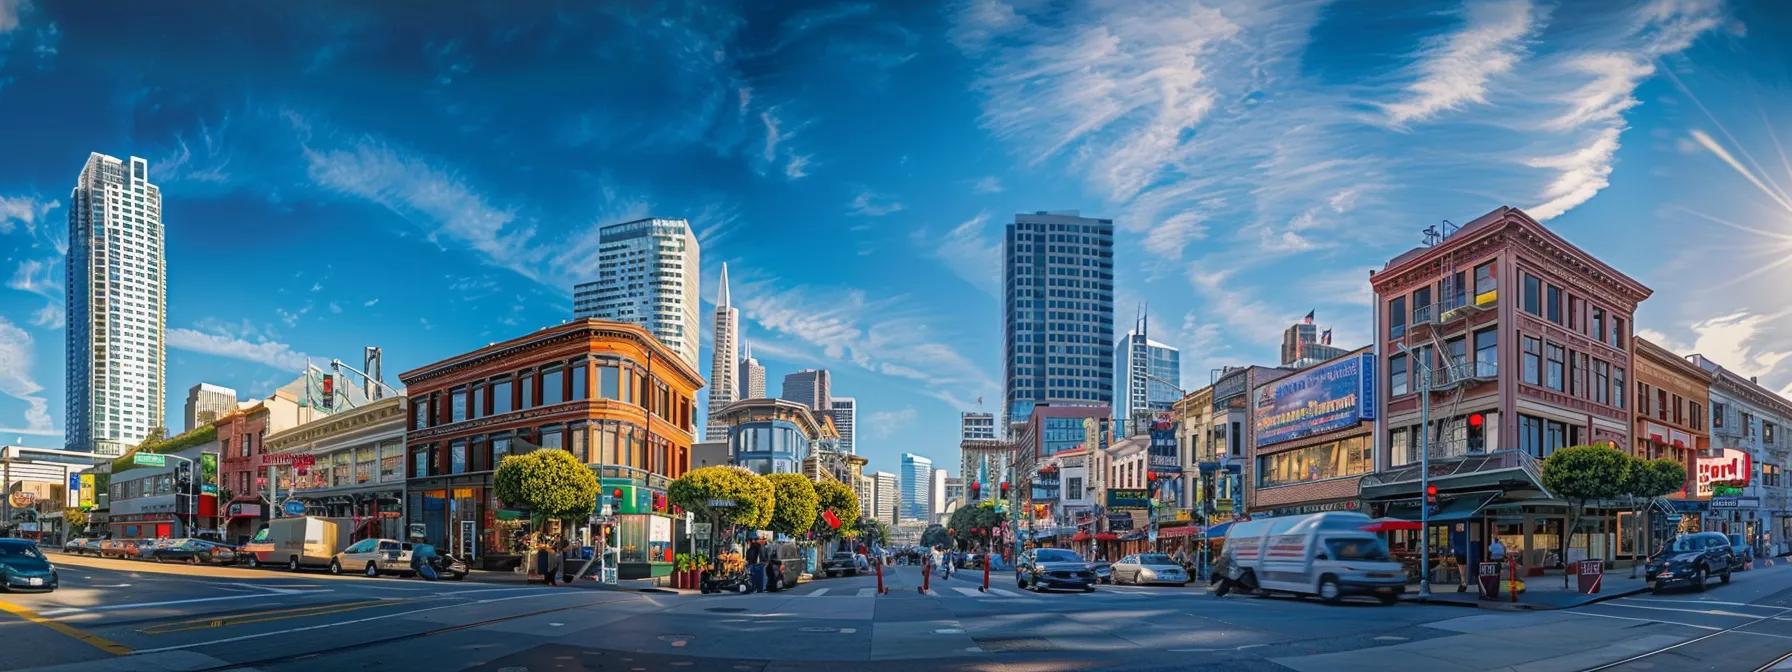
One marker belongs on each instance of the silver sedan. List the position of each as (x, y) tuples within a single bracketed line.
[(1149, 568)]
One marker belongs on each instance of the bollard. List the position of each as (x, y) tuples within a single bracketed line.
[(1513, 586), (986, 564), (926, 577)]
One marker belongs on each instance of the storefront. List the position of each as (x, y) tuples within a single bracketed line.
[(642, 524)]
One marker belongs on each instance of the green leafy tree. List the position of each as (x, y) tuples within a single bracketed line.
[(550, 483), (1650, 479), (1582, 474), (873, 531), (796, 508), (836, 497), (935, 535), (750, 496), (965, 522), (76, 520)]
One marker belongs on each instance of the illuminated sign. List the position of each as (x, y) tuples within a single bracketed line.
[(1322, 399), (1730, 466)]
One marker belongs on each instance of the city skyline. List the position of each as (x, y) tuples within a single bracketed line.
[(310, 214)]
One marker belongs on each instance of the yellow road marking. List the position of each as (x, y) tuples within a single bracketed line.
[(258, 617), (93, 640)]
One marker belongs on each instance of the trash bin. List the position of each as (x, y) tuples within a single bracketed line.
[(1590, 573), (1489, 579)]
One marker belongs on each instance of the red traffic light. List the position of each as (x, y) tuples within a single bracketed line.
[(1430, 491), (1476, 420), (617, 494)]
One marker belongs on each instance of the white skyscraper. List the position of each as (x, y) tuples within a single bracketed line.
[(724, 362), (752, 375), (207, 402), (888, 490), (117, 306), (846, 413), (866, 489), (1146, 375), (647, 275), (936, 496)]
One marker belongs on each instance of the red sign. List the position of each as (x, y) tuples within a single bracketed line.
[(833, 520), (300, 460), (1730, 465)]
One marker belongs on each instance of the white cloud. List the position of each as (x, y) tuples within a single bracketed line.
[(1581, 174), (872, 204), (1740, 341), (988, 184), (797, 167), (981, 21), (39, 277), (1454, 71), (16, 381), (370, 302), (271, 353), (971, 253), (335, 309), (23, 210), (885, 424), (9, 14)]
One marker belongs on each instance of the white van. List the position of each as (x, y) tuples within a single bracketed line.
[(1325, 554)]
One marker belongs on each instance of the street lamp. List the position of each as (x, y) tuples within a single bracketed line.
[(1424, 469)]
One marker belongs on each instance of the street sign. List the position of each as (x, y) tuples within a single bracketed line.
[(293, 507), (149, 460), (720, 503)]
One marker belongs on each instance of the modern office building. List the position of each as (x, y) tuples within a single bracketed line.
[(1147, 377), (207, 402), (1058, 301), (724, 361), (809, 387), (116, 303), (1304, 345), (752, 374), (917, 481), (886, 492), (647, 273), (846, 413), (608, 393)]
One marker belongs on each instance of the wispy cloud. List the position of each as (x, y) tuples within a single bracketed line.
[(9, 14), (885, 424), (872, 204), (39, 277), (239, 347), (1454, 70), (26, 211), (16, 381), (988, 184), (1742, 342), (972, 253)]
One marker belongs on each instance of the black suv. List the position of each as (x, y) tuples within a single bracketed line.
[(1046, 568), (1692, 559)]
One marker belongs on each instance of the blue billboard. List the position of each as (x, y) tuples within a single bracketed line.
[(1325, 398)]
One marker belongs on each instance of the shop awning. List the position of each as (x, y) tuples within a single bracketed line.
[(1390, 524), (1106, 536), (1460, 508), (1178, 532), (1219, 530)]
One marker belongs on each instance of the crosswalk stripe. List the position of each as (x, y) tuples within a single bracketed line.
[(969, 592), (819, 593), (1005, 593), (931, 593), (867, 592)]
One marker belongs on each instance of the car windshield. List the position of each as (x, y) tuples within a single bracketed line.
[(20, 551), (1155, 559), (1365, 549), (1056, 555), (1688, 543)]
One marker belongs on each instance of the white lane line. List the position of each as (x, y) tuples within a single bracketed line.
[(278, 589), (1707, 612), (818, 593), (1006, 593), (930, 593), (968, 592), (1657, 599), (1645, 620), (372, 585), (867, 592), (115, 607), (322, 626)]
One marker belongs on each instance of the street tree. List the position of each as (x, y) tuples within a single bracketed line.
[(873, 532), (797, 504), (1648, 480), (835, 497), (76, 519), (730, 495), (935, 535), (551, 484), (970, 525), (1582, 474)]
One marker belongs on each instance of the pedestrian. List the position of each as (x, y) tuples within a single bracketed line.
[(774, 570), (1496, 551), (755, 566), (549, 561)]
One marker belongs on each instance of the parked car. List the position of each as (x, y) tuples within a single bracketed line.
[(193, 551), (863, 563), (843, 563), (1745, 554), (1692, 559), (1104, 572), (1325, 554), (23, 567), (1047, 568), (75, 546), (373, 557), (116, 548), (1149, 568)]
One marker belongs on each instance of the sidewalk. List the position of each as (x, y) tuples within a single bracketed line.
[(1541, 593), (632, 585)]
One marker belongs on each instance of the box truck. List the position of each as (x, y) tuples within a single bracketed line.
[(1329, 554), (300, 541)]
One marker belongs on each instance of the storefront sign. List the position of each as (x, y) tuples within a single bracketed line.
[(1735, 502), (89, 491), (241, 510), (298, 460), (149, 460), (1121, 499), (1119, 522), (1345, 505), (1731, 465), (659, 528), (1322, 399), (293, 507)]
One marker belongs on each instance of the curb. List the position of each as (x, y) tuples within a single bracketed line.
[(1503, 605)]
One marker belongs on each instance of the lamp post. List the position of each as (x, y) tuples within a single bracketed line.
[(1424, 470)]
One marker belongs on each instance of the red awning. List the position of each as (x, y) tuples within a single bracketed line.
[(1179, 532), (1391, 524), (1107, 536), (1080, 536)]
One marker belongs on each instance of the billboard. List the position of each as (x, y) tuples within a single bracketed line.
[(1122, 499), (1325, 398), (1163, 453), (1731, 466)]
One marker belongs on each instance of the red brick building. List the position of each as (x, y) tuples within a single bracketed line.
[(1524, 340)]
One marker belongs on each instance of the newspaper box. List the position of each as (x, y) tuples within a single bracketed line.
[(1490, 580), (1590, 573)]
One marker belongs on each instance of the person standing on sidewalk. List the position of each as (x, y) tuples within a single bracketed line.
[(755, 566)]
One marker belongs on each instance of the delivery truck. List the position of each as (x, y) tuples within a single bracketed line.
[(301, 541), (1329, 554)]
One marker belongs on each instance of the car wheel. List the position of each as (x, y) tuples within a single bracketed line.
[(1726, 577), (372, 571), (1329, 590), (335, 567), (292, 564), (193, 560), (1698, 580), (1089, 588), (1388, 599), (254, 563), (1019, 582)]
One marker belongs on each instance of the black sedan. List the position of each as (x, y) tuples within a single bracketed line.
[(23, 567), (1048, 568), (842, 563), (1692, 560), (193, 551)]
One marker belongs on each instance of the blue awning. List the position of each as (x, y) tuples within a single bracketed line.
[(1219, 530)]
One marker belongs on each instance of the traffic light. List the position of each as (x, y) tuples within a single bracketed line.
[(1430, 494), (329, 391), (1477, 432), (976, 490), (183, 477), (1004, 489)]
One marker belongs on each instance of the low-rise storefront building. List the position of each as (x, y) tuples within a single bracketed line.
[(346, 465), (1314, 438)]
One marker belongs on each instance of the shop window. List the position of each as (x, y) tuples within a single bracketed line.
[(1533, 360), (1487, 357), (1397, 317), (1486, 284), (391, 462)]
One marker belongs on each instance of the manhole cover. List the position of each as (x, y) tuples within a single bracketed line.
[(726, 610)]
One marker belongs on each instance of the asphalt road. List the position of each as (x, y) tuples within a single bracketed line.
[(126, 615)]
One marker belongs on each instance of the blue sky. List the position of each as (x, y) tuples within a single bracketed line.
[(431, 179)]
